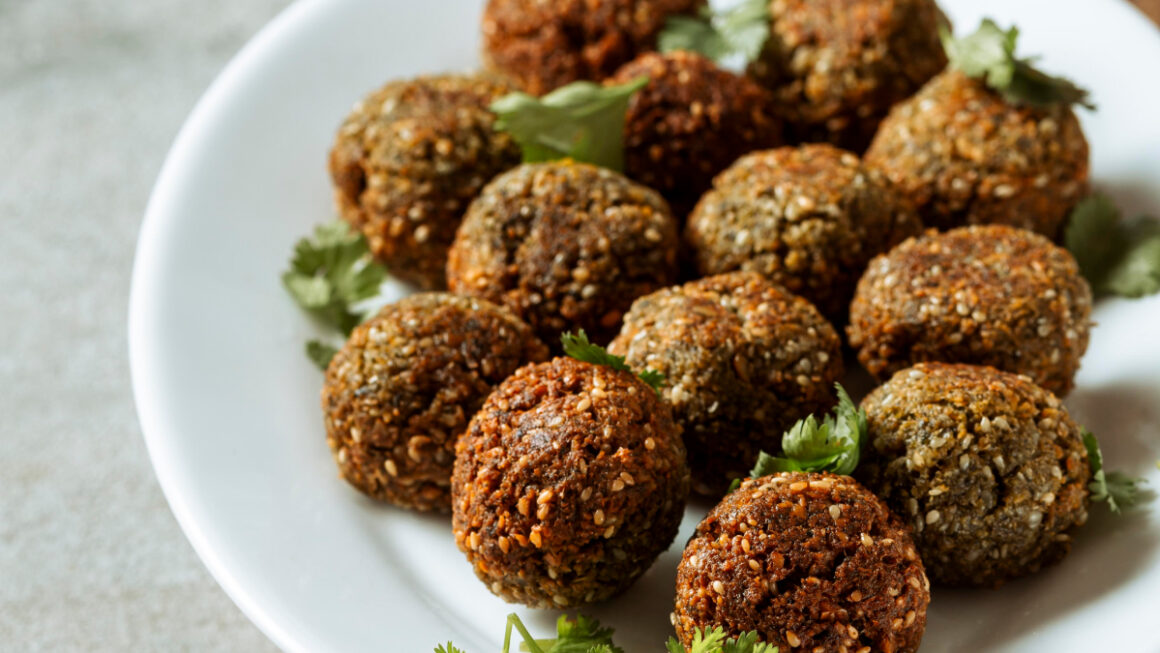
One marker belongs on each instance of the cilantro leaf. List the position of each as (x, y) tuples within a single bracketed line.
[(742, 29), (989, 55), (331, 272), (835, 445), (448, 648), (320, 353), (582, 121), (578, 347), (713, 640), (1116, 256), (1117, 488)]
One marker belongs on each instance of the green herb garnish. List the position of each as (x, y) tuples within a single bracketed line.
[(328, 275), (742, 29), (586, 635), (320, 353), (989, 55), (578, 347), (583, 121), (713, 640), (835, 445), (1116, 256), (1117, 488)]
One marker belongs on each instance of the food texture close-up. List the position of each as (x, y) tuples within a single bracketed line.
[(687, 325)]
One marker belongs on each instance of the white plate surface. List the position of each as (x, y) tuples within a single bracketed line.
[(229, 405)]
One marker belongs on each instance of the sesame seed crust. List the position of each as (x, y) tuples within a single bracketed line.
[(404, 386), (743, 360), (985, 295), (988, 468), (809, 218), (565, 245), (409, 159), (690, 122), (837, 66), (772, 558), (556, 506), (963, 155), (545, 44)]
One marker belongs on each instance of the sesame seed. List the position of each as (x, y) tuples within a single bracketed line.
[(792, 639), (505, 544), (754, 565), (534, 537), (910, 617), (342, 456), (598, 517), (583, 405), (1034, 518), (542, 512), (867, 540), (745, 546), (650, 444), (985, 425), (1001, 422), (835, 512), (797, 487), (718, 587), (608, 532), (474, 540), (855, 596), (932, 516), (913, 580), (617, 485), (545, 496), (391, 467), (523, 505), (560, 600), (627, 478), (586, 494)]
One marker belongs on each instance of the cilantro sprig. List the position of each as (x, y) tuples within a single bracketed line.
[(742, 29), (577, 346), (1116, 488), (586, 635), (835, 445), (583, 121), (989, 55), (330, 273), (1116, 256)]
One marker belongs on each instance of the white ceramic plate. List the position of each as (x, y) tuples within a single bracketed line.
[(229, 405)]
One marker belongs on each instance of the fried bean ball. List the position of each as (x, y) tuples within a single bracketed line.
[(545, 44), (811, 562), (690, 122), (743, 361), (809, 218), (566, 246), (836, 66), (987, 467), (964, 155), (405, 385), (410, 158), (986, 295), (568, 484)]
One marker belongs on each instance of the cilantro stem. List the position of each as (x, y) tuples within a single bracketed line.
[(514, 620)]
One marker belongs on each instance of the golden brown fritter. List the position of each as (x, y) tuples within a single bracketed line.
[(405, 385), (985, 295), (569, 483), (811, 562), (410, 158), (986, 466), (961, 154)]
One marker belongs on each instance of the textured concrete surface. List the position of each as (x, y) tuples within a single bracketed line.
[(92, 93)]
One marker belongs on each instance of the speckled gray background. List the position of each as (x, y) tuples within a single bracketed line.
[(92, 94)]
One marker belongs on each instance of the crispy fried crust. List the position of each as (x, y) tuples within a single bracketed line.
[(808, 561), (987, 295), (809, 218), (569, 482), (962, 155), (406, 383), (409, 159), (566, 246), (743, 360), (545, 44), (837, 66), (987, 467), (690, 122)]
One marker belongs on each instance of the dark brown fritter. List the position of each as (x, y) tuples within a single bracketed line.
[(837, 66), (986, 466), (569, 482), (409, 159), (566, 246), (809, 218), (811, 562), (405, 385), (545, 44), (743, 360), (985, 295), (690, 122), (963, 155)]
